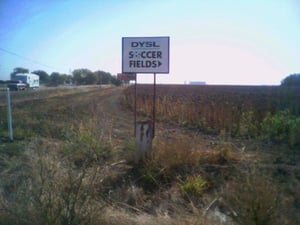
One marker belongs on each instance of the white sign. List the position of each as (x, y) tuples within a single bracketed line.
[(145, 54)]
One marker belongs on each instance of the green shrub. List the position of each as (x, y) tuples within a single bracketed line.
[(283, 127), (12, 148), (129, 150), (248, 125), (84, 144), (193, 186)]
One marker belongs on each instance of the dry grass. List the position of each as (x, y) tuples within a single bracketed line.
[(71, 170), (49, 189), (175, 152), (256, 198), (119, 216)]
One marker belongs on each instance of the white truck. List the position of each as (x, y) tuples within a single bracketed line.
[(31, 80), (16, 85)]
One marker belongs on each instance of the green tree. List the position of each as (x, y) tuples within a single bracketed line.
[(56, 79), (103, 77), (115, 81), (292, 80), (44, 77), (82, 76), (85, 76), (67, 79), (289, 94), (91, 79), (18, 70)]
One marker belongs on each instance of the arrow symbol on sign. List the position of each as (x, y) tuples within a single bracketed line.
[(159, 64)]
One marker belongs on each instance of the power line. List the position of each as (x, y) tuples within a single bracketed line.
[(25, 58)]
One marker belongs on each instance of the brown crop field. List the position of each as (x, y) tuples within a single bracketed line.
[(237, 110)]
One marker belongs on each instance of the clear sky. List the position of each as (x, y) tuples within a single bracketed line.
[(251, 42)]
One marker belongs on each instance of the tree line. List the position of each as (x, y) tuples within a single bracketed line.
[(87, 77), (78, 77)]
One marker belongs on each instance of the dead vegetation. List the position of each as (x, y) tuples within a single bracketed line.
[(73, 163)]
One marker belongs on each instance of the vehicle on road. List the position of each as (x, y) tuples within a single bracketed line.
[(32, 80), (16, 85)]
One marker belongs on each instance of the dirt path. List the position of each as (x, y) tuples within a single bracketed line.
[(122, 119)]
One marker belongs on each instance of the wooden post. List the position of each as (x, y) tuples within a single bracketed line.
[(144, 132)]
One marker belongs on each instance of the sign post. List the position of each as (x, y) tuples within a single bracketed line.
[(135, 106), (154, 103), (146, 55)]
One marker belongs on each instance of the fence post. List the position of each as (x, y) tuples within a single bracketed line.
[(144, 132), (9, 117)]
